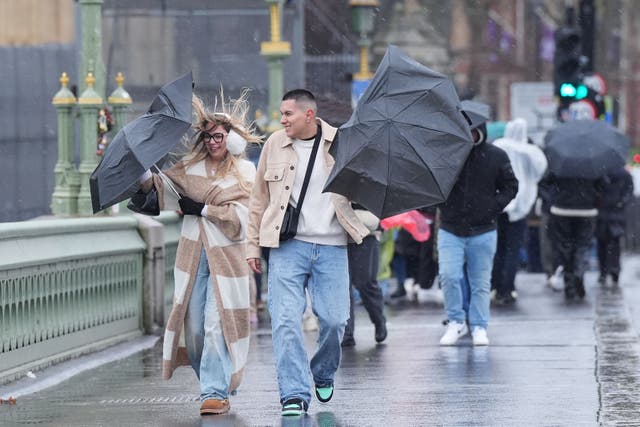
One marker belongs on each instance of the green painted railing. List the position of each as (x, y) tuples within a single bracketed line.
[(67, 287)]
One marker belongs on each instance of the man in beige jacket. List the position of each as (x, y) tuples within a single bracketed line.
[(314, 259)]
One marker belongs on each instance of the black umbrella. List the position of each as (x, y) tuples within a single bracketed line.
[(585, 149), (142, 143), (477, 112), (406, 141)]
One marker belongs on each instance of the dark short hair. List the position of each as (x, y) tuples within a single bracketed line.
[(299, 95)]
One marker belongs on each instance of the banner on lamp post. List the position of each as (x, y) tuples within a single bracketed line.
[(357, 89)]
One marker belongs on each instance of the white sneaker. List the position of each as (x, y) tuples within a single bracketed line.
[(430, 295), (410, 288), (479, 336), (454, 332), (556, 281)]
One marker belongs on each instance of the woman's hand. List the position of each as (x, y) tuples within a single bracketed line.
[(189, 206), (255, 264)]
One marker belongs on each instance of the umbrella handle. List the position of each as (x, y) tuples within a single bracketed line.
[(167, 181)]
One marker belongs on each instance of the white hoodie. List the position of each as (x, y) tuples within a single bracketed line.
[(528, 163)]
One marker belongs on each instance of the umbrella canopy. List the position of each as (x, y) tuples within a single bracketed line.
[(405, 143), (142, 143), (585, 149), (477, 112)]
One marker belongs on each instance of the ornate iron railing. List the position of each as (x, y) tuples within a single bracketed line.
[(67, 287)]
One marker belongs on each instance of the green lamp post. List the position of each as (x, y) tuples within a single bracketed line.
[(91, 32), (64, 200), (362, 18), (120, 100), (275, 50), (89, 104)]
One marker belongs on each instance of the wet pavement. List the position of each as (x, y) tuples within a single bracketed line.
[(549, 363)]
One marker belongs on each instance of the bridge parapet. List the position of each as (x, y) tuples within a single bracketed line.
[(67, 287)]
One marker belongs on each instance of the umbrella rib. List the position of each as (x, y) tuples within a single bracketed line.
[(167, 181), (168, 102), (428, 169), (417, 99)]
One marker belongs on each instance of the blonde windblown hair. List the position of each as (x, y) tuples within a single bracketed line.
[(232, 115)]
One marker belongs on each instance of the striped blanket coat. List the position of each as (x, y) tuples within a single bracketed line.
[(222, 234)]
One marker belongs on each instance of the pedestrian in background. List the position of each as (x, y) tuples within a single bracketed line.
[(610, 223), (543, 207), (211, 297), (529, 164), (467, 237), (572, 224), (363, 274), (404, 255), (314, 259), (428, 289)]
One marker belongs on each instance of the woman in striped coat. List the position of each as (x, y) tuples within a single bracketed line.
[(211, 297)]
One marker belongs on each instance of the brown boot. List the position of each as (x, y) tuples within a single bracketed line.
[(214, 406)]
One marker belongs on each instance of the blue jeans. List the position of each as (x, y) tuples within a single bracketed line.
[(324, 270), (471, 259), (205, 343)]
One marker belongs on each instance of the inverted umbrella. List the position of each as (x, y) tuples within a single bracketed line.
[(586, 149), (406, 141), (142, 143)]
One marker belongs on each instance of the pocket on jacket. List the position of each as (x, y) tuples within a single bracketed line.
[(274, 174)]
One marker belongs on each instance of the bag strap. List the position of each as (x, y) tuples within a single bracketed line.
[(307, 175)]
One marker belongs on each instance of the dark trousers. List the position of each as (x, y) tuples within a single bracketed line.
[(546, 246), (507, 258), (609, 254), (421, 264), (363, 273), (571, 237), (428, 269)]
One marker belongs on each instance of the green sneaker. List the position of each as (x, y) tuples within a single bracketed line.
[(324, 394), (294, 407)]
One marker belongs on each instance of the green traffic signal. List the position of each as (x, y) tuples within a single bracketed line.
[(569, 90), (581, 92)]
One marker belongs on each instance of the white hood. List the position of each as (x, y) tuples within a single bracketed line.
[(528, 163)]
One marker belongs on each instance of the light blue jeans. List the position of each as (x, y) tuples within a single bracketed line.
[(205, 343), (467, 259), (324, 270)]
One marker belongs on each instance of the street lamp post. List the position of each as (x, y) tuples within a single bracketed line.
[(362, 19), (275, 50), (64, 201)]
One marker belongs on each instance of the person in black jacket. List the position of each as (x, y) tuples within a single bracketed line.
[(572, 223), (467, 238), (610, 223)]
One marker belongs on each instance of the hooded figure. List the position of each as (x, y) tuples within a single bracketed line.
[(529, 164), (467, 237)]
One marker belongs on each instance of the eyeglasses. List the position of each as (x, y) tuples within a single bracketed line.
[(217, 137)]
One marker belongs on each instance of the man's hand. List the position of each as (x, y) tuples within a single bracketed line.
[(190, 207), (255, 264)]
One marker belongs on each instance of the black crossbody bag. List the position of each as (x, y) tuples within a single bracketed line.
[(289, 226)]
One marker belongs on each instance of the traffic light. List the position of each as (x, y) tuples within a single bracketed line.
[(568, 61), (573, 90)]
